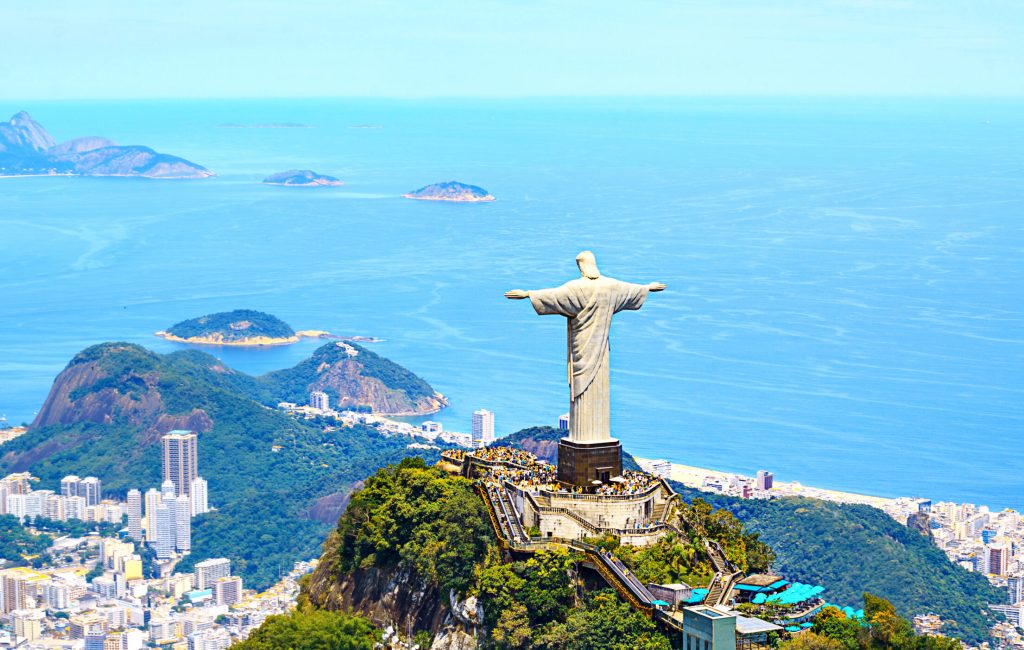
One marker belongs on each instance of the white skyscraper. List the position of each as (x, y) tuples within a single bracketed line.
[(483, 428), (180, 459), (200, 503), (91, 488), (563, 422), (183, 523), (167, 491), (153, 499), (135, 515), (69, 486), (166, 536)]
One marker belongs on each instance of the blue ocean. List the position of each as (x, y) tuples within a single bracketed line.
[(846, 278)]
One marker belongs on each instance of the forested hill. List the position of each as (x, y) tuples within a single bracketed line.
[(266, 470), (353, 376), (851, 549)]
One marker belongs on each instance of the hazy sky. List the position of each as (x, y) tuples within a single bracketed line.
[(412, 48)]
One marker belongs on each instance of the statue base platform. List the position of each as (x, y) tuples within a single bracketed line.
[(580, 464)]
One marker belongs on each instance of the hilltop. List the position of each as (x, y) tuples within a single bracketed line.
[(243, 327), (416, 552), (28, 149), (275, 480), (451, 191), (302, 178), (353, 376)]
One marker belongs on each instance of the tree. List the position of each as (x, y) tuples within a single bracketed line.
[(811, 640), (312, 630), (831, 622), (513, 627)]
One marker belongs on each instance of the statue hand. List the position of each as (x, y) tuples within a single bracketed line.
[(656, 286), (517, 294)]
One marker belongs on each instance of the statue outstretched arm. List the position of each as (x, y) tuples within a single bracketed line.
[(517, 294), (654, 286)]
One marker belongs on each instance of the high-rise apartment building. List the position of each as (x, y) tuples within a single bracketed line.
[(765, 480), (180, 460), (998, 556), (483, 428), (91, 488), (135, 515), (227, 590), (198, 494), (166, 536), (209, 571), (319, 400), (563, 422), (153, 499), (1015, 585), (69, 486), (183, 523)]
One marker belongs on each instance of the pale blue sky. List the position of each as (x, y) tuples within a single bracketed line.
[(59, 49)]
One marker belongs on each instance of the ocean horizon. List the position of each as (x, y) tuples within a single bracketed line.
[(845, 302)]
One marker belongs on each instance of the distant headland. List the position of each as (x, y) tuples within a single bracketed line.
[(246, 328), (27, 149), (451, 191), (302, 178)]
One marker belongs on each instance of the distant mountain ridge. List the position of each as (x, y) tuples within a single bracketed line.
[(26, 148)]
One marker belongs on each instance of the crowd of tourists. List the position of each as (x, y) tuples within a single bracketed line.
[(505, 455), (632, 482), (534, 477), (454, 455)]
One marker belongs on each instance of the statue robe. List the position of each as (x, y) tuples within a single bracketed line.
[(588, 306)]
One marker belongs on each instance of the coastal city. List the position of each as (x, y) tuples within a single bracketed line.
[(110, 583), (116, 586)]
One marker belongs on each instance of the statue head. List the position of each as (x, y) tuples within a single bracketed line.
[(588, 265)]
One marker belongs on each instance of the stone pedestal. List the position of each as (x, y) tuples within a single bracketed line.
[(581, 464)]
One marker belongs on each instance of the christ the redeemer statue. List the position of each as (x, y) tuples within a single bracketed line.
[(589, 455)]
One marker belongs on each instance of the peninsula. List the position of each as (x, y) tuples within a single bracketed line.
[(28, 149), (451, 191), (302, 178)]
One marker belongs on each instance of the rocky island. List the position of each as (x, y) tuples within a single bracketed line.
[(451, 191), (302, 178), (241, 327), (27, 149)]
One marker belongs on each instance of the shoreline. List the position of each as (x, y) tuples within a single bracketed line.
[(486, 199), (693, 477)]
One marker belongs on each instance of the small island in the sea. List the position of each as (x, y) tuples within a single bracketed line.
[(27, 149), (451, 191), (241, 327), (302, 178), (246, 328)]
